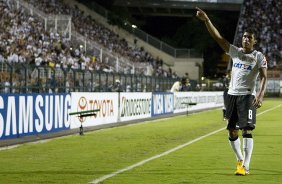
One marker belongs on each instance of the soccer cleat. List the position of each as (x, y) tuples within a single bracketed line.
[(239, 164), (241, 171)]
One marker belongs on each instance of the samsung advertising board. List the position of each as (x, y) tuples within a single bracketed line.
[(135, 106), (107, 103), (33, 114)]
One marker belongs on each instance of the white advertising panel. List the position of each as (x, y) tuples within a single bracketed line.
[(135, 106), (203, 100), (107, 103)]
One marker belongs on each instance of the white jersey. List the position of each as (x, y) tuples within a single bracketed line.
[(176, 87), (245, 70)]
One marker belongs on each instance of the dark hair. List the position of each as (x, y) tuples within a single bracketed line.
[(183, 80), (251, 31)]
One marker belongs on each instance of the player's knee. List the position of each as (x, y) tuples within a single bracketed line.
[(247, 134), (233, 135)]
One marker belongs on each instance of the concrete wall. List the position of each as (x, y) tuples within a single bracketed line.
[(180, 66), (191, 65), (169, 60)]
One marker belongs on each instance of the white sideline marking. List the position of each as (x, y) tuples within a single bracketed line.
[(8, 147), (269, 109), (96, 181), (152, 158)]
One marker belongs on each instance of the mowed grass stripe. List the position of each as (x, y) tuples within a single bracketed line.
[(79, 159)]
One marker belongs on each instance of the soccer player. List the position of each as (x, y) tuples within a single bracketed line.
[(243, 98), (225, 81), (225, 91)]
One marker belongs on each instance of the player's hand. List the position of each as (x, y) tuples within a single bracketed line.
[(257, 103), (202, 15)]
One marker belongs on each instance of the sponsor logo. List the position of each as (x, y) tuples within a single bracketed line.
[(33, 114), (135, 107), (242, 66), (106, 107), (162, 103)]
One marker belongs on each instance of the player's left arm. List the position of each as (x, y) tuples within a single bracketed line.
[(260, 93)]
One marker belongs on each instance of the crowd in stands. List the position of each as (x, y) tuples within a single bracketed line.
[(23, 40), (91, 29), (265, 18)]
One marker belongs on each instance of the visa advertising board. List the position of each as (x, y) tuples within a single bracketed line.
[(162, 103)]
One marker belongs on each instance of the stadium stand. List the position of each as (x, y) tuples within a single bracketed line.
[(91, 29), (25, 40), (266, 19)]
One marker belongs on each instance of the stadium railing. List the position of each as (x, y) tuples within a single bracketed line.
[(29, 78)]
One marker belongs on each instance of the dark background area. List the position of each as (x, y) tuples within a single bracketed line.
[(184, 32)]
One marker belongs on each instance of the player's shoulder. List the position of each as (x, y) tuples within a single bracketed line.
[(259, 54), (231, 46), (233, 50), (261, 58)]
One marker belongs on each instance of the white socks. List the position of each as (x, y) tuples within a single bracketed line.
[(236, 146), (248, 144)]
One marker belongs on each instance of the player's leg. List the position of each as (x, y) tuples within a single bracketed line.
[(235, 144), (225, 100), (223, 113), (248, 144), (247, 121), (234, 140)]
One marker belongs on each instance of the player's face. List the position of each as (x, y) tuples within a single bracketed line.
[(248, 41)]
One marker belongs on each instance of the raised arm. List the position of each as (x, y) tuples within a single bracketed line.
[(223, 43)]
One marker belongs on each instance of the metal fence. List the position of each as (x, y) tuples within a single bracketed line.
[(53, 23), (26, 78)]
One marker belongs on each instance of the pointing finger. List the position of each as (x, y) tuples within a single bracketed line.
[(199, 9)]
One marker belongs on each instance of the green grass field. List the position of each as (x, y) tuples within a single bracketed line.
[(84, 159)]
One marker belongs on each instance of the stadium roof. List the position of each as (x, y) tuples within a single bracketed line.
[(176, 7)]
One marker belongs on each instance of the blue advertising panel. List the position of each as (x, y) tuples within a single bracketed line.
[(162, 103), (33, 114)]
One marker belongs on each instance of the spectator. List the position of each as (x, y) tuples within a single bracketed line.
[(117, 87), (180, 85)]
